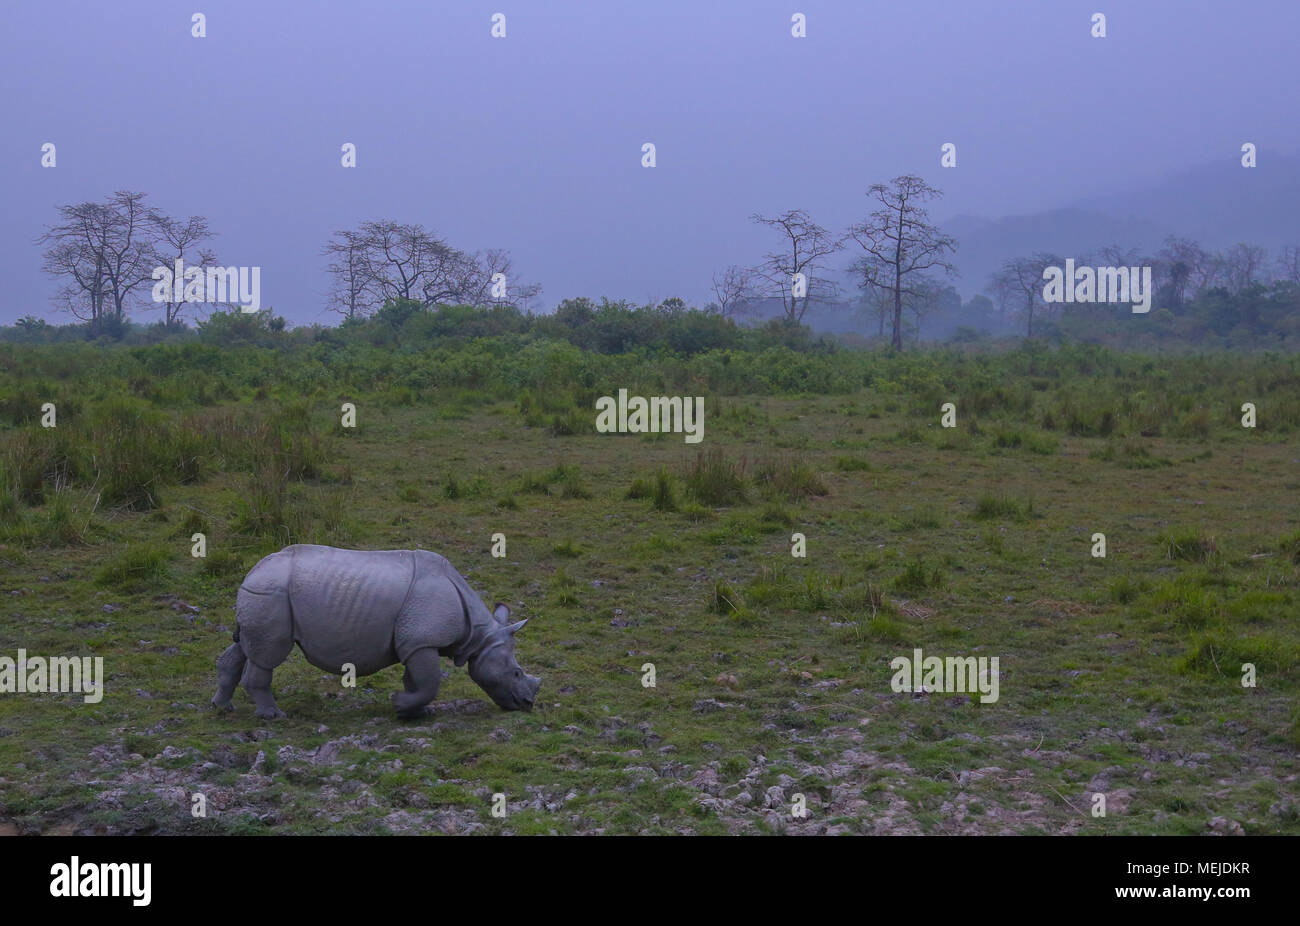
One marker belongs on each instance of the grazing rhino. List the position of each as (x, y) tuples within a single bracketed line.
[(372, 609)]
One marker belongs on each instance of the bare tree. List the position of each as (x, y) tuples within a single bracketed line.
[(806, 249), (899, 236), (1178, 260), (478, 277), (1288, 263), (1191, 268), (1243, 265), (385, 261), (875, 280), (128, 248), (406, 262), (351, 293), (1023, 277), (931, 294), (1114, 255), (999, 286), (176, 240), (72, 254), (734, 290), (105, 252)]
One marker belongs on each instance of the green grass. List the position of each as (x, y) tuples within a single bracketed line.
[(1127, 665)]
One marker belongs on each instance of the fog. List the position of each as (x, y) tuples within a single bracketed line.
[(533, 142)]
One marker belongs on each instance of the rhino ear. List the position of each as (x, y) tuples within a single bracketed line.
[(517, 626), (501, 613)]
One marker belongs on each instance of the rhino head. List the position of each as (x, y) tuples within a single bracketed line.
[(494, 669)]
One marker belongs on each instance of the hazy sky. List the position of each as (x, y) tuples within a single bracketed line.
[(533, 142)]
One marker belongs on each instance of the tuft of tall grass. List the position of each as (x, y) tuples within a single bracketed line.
[(791, 479), (64, 520), (1190, 544), (991, 507), (565, 587), (665, 496), (125, 450), (1290, 547), (566, 477), (1125, 589), (139, 568), (712, 479), (723, 599), (263, 506), (915, 579)]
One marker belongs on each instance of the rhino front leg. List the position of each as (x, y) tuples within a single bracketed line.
[(257, 682), (230, 665), (421, 679)]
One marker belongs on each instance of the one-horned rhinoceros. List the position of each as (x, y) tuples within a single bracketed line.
[(370, 609)]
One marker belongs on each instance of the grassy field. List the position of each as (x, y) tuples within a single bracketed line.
[(1119, 675)]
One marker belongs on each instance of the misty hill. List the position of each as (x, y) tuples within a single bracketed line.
[(1217, 204), (983, 244)]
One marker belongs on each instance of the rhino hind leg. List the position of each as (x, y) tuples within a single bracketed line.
[(257, 682), (421, 679), (230, 666), (266, 636)]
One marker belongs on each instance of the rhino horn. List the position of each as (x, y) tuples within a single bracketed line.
[(517, 626)]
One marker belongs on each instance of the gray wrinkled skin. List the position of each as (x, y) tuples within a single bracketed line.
[(371, 609)]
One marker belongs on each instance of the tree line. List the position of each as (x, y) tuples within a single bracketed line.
[(104, 255), (1181, 271)]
